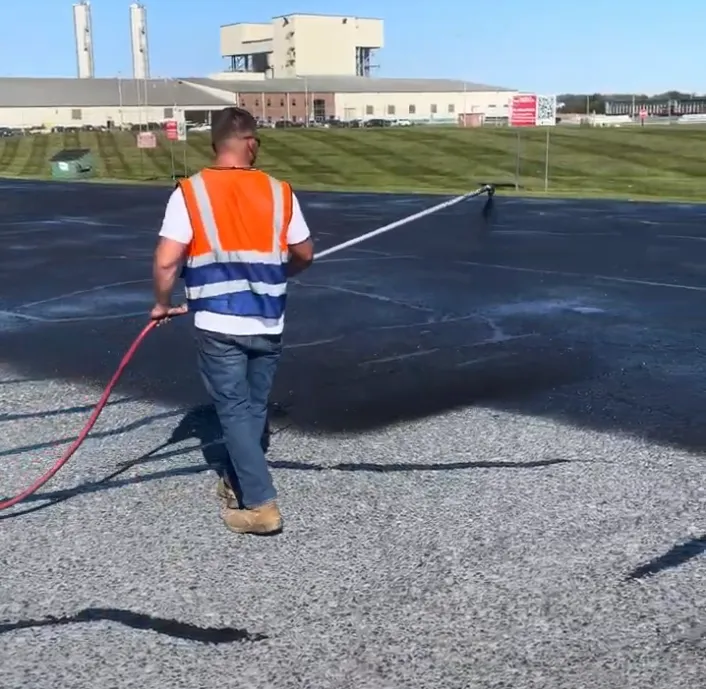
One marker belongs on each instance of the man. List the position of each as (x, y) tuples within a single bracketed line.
[(236, 234)]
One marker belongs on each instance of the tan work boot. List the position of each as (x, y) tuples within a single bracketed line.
[(224, 490), (265, 519)]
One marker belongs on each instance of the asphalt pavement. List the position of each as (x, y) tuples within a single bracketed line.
[(487, 443)]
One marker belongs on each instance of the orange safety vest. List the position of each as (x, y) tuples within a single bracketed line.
[(236, 262)]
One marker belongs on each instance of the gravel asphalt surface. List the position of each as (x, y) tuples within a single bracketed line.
[(487, 442)]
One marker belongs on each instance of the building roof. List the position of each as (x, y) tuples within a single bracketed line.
[(20, 92), (343, 85), (76, 93)]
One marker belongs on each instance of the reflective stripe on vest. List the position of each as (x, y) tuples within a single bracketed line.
[(243, 282)]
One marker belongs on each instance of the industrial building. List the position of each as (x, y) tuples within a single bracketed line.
[(303, 45), (306, 66), (48, 103), (119, 102), (360, 98), (299, 68), (655, 106)]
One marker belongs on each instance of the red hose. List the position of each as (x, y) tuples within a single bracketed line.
[(6, 504)]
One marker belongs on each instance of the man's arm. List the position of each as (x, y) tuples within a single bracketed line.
[(301, 246), (170, 253), (168, 259)]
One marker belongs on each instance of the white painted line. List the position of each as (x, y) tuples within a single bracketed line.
[(681, 236), (12, 314), (366, 295), (301, 345), (399, 357), (76, 319), (499, 339), (369, 258), (584, 276), (577, 234), (374, 252), (83, 291), (484, 359)]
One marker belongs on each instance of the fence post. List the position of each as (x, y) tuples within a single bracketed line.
[(546, 164), (517, 161), (171, 150)]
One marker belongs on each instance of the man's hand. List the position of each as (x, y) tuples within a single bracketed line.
[(163, 313)]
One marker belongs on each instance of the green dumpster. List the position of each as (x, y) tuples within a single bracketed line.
[(72, 163)]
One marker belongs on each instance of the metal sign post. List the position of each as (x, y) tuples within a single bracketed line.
[(171, 129)]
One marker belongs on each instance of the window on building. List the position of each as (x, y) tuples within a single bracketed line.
[(242, 103), (257, 102), (433, 108), (412, 109), (269, 102), (452, 108), (390, 109), (319, 107), (76, 114), (294, 101), (168, 113)]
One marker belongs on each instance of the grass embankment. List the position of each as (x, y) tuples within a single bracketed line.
[(650, 162)]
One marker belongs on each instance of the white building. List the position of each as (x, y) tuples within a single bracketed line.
[(305, 66), (298, 68), (361, 98), (303, 44), (28, 102), (48, 103)]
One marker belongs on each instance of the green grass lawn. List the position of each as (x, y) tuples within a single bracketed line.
[(650, 162)]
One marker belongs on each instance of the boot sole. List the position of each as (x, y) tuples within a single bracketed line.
[(255, 531)]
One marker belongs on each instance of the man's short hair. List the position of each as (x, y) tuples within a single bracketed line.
[(229, 123)]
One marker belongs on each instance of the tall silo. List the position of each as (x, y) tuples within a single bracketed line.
[(138, 40), (83, 31)]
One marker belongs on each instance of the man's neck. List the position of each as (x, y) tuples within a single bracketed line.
[(231, 161)]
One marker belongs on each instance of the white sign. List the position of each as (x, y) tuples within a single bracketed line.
[(146, 140), (546, 111)]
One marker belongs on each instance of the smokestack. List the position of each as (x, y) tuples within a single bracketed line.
[(83, 31), (138, 40)]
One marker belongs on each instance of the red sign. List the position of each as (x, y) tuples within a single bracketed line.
[(523, 111), (643, 114), (172, 130)]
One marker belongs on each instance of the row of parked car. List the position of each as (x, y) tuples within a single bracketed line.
[(336, 123), (196, 127)]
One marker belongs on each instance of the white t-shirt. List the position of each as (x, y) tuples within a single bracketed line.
[(177, 226)]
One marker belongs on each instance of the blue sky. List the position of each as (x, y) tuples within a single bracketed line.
[(547, 46)]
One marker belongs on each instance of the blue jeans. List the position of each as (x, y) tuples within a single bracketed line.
[(238, 371)]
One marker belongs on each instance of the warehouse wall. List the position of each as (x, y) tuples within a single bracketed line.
[(421, 106), (96, 116)]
